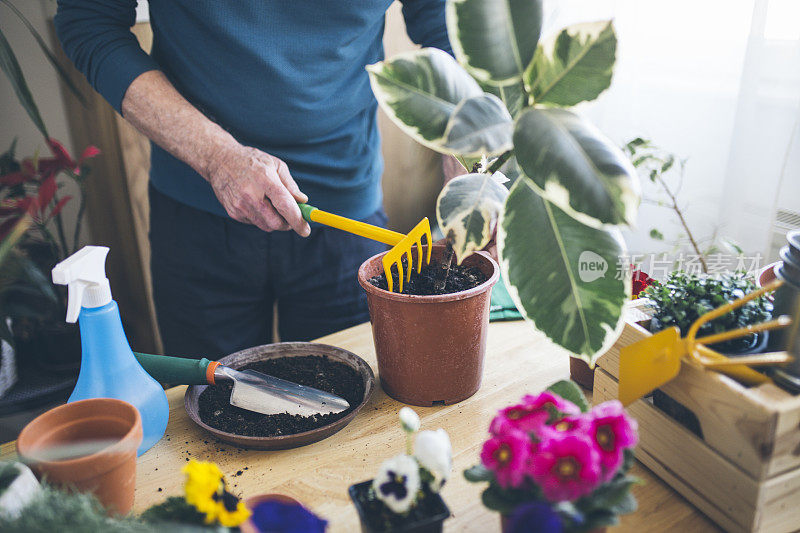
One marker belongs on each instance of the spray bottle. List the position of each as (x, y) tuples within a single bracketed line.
[(108, 366)]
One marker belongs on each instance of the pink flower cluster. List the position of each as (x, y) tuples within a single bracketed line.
[(546, 440)]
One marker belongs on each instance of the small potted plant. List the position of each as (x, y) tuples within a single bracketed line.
[(547, 183), (404, 495), (206, 500), (683, 297), (550, 460)]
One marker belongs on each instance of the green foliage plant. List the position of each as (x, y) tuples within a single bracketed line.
[(683, 297), (552, 187)]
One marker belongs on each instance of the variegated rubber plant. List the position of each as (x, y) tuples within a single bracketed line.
[(568, 190)]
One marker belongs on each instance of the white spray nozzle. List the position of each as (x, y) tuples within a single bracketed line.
[(84, 273)]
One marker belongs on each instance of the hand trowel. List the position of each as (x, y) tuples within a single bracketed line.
[(252, 390)]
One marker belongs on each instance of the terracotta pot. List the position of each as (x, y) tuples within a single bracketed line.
[(108, 472), (250, 527), (767, 274), (580, 373), (430, 348), (505, 519)]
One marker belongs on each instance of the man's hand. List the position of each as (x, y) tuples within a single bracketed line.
[(257, 188), (253, 187)]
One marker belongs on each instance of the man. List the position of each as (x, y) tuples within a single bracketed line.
[(251, 106)]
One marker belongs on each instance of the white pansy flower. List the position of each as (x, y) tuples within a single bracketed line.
[(409, 419), (435, 454), (397, 483)]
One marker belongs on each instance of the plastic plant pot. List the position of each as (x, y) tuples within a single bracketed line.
[(111, 429), (430, 348), (431, 523)]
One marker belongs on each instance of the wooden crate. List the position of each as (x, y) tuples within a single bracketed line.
[(744, 472)]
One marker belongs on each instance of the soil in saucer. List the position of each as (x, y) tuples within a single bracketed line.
[(434, 279), (312, 370)]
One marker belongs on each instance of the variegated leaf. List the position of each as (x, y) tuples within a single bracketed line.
[(420, 90), (479, 125), (513, 95), (574, 66), (467, 211), (494, 40), (562, 274), (576, 167)]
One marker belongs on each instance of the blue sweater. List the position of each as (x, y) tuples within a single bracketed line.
[(284, 76)]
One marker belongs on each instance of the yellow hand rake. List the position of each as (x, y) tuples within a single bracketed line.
[(652, 362), (401, 244)]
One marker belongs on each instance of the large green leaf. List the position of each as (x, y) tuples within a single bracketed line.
[(420, 90), (574, 66), (512, 94), (494, 40), (480, 125), (10, 65), (561, 273), (576, 167), (467, 211)]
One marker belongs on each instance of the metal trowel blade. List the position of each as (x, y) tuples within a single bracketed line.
[(269, 395)]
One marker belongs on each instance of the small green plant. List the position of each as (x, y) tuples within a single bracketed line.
[(683, 297), (667, 171)]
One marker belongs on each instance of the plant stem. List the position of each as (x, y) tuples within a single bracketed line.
[(682, 219), (78, 221), (449, 261), (499, 162), (409, 443), (61, 234)]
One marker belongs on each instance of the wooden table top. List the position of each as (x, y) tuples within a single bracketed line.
[(517, 362)]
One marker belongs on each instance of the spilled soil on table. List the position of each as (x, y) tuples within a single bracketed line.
[(312, 371)]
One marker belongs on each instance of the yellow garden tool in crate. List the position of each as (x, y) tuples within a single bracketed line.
[(401, 244), (650, 363)]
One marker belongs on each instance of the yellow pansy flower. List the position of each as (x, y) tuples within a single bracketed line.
[(206, 491)]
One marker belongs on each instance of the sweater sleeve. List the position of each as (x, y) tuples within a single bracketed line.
[(425, 23), (96, 36)]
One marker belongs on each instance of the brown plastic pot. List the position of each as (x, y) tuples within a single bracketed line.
[(430, 348), (110, 472), (581, 373)]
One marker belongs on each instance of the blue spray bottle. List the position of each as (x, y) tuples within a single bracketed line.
[(108, 367)]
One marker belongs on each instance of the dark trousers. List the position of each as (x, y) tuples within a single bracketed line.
[(215, 280)]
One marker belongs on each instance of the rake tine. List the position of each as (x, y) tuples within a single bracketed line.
[(419, 254), (410, 265), (429, 238), (387, 270), (399, 274)]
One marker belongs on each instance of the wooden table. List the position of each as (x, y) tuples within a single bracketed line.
[(517, 362)]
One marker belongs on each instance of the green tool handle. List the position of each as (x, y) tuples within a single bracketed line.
[(175, 370)]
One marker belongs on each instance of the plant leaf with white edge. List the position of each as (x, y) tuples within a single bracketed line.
[(576, 167), (494, 40), (561, 274), (573, 66), (467, 211), (479, 125), (420, 90), (513, 95)]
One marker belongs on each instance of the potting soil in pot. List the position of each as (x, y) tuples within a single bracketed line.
[(434, 279), (312, 370)]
